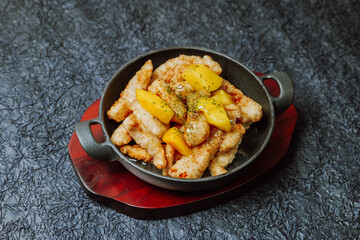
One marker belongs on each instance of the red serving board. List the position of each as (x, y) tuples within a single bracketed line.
[(110, 183)]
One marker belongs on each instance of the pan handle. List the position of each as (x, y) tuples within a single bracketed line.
[(285, 98), (100, 151)]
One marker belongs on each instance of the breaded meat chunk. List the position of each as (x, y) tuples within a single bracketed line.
[(163, 90), (170, 157), (182, 89), (233, 112), (227, 151), (150, 143), (232, 138), (251, 111), (121, 136), (148, 122), (194, 165), (197, 129), (172, 69), (221, 160), (213, 65), (137, 152), (121, 108)]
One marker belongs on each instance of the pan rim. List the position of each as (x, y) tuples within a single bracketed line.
[(168, 179)]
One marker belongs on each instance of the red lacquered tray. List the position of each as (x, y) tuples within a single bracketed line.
[(110, 183)]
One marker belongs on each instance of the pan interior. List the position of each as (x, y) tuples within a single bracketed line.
[(233, 71)]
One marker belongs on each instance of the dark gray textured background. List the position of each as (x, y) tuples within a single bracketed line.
[(57, 56)]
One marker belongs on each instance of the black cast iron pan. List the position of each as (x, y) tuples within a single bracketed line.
[(253, 143)]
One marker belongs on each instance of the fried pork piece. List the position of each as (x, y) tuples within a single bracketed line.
[(232, 138), (148, 122), (137, 152), (149, 142), (197, 128), (120, 136), (233, 112), (227, 151), (193, 166), (170, 157), (182, 89), (163, 90), (251, 111), (121, 108), (221, 160), (172, 69), (210, 63)]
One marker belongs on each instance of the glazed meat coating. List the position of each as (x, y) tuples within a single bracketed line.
[(121, 108), (221, 160), (233, 112), (232, 138), (150, 143), (193, 166), (213, 65), (148, 122), (121, 136), (251, 111), (137, 152), (182, 89), (145, 140), (163, 90), (170, 157), (172, 69), (197, 129), (227, 151)]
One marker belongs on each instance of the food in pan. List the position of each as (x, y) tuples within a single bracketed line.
[(182, 117)]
